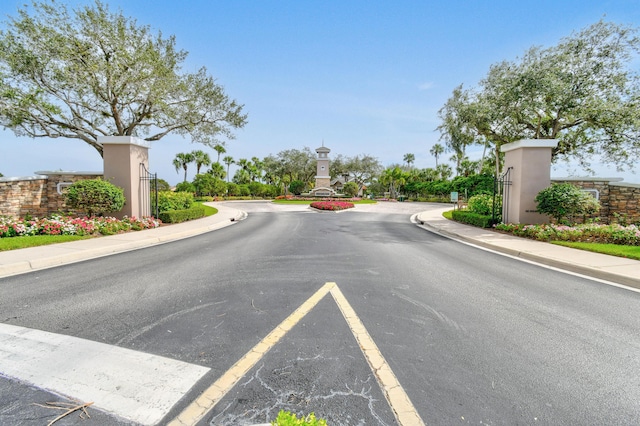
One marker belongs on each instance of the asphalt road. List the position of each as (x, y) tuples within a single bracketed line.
[(471, 336)]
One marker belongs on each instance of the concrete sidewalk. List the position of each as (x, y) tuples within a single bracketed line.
[(30, 259), (602, 266)]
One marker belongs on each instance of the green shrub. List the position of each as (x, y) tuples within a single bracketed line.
[(95, 197), (163, 185), (168, 200), (177, 216), (207, 184), (350, 189), (473, 184), (255, 189), (563, 201), (286, 418), (185, 187), (586, 232), (243, 191), (483, 204), (271, 191), (238, 198), (296, 187), (481, 221), (233, 189)]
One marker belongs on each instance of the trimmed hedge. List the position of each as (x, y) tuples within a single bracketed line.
[(177, 216), (474, 219), (95, 197)]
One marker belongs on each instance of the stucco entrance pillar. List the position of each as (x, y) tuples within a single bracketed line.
[(124, 158), (529, 165)]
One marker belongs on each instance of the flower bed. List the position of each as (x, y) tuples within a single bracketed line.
[(299, 198), (590, 233), (67, 225), (332, 205)]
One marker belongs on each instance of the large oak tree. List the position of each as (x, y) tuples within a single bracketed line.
[(90, 73), (581, 92)]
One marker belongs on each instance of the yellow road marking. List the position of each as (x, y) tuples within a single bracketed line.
[(397, 398), (400, 404), (211, 396)]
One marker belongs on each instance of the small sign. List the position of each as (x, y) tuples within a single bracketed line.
[(454, 197)]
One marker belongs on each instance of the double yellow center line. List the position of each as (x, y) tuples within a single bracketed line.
[(398, 400)]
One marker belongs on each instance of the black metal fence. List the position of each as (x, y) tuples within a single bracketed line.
[(501, 188), (148, 192)]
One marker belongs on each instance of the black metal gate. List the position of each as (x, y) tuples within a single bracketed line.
[(502, 188), (148, 192)]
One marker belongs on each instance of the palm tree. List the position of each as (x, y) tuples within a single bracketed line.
[(394, 177), (201, 158), (244, 164), (217, 170), (444, 171), (429, 174), (228, 160), (256, 169), (242, 177), (436, 150), (182, 160), (220, 150), (409, 159), (458, 160)]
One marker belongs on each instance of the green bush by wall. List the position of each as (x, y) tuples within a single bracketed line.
[(474, 219), (95, 197), (177, 216)]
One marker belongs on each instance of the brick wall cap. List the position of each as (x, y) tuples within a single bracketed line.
[(15, 179), (626, 184), (68, 173), (587, 179)]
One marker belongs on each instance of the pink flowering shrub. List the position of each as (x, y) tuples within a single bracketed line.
[(66, 225), (589, 232), (299, 198), (332, 205)]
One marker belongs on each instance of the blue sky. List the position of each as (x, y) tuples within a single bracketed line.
[(364, 77)]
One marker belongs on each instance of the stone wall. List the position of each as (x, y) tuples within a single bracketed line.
[(38, 196), (619, 201), (624, 199), (19, 196)]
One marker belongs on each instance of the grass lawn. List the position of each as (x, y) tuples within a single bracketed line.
[(284, 201), (14, 243), (630, 252), (208, 210)]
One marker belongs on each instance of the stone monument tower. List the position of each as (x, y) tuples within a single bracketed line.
[(323, 180)]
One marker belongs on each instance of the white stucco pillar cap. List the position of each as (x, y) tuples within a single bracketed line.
[(123, 140), (530, 143)]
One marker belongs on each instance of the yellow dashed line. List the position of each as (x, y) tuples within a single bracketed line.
[(397, 398), (400, 403)]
